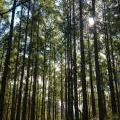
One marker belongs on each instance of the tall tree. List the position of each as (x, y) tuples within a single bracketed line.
[(75, 65), (18, 114), (83, 74), (97, 66), (91, 79), (7, 62), (33, 106), (110, 75), (44, 80), (49, 117), (16, 72), (61, 91)]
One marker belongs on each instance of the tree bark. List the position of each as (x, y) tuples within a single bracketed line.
[(83, 75), (7, 63)]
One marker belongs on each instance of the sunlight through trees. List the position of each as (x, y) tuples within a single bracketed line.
[(59, 60)]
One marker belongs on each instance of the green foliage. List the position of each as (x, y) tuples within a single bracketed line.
[(47, 26)]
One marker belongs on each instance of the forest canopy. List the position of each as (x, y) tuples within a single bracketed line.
[(59, 60)]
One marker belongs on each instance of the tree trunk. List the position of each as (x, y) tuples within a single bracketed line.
[(22, 69), (7, 63), (33, 106), (91, 81), (83, 75), (97, 67), (112, 92), (12, 117), (75, 66), (49, 88)]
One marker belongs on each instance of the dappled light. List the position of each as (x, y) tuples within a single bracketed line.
[(59, 60), (91, 21)]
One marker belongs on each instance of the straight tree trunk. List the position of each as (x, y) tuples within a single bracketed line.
[(49, 88), (70, 63), (6, 63), (97, 67), (66, 84), (44, 83), (103, 93), (110, 75), (61, 93), (30, 97), (33, 106), (25, 96), (75, 66), (109, 65), (83, 75), (12, 117), (18, 114), (115, 78), (91, 80), (54, 88)]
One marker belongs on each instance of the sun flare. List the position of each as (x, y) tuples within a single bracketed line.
[(91, 21)]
